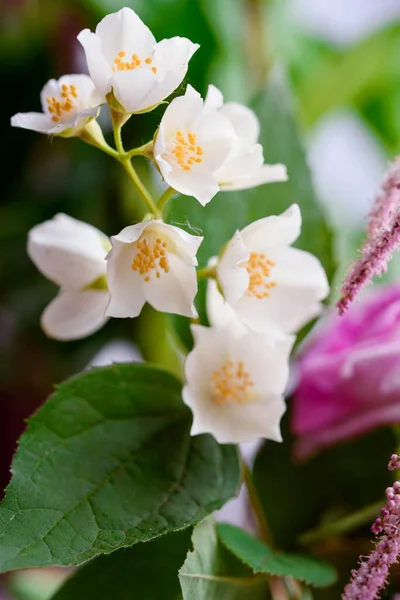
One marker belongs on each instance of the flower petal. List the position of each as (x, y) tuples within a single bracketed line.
[(243, 160), (231, 272), (76, 122), (300, 284), (174, 291), (174, 54), (131, 233), (87, 94), (299, 269), (124, 31), (265, 174), (171, 58), (277, 230), (213, 100), (67, 251), (265, 361), (182, 113), (75, 314), (186, 244), (125, 285), (100, 70), (286, 310), (132, 88), (34, 121), (170, 289), (258, 419), (219, 312), (215, 136), (244, 121), (199, 183)]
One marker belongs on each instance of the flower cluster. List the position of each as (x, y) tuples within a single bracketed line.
[(371, 577), (261, 290)]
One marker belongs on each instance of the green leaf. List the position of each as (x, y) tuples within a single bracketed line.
[(107, 462), (305, 498), (144, 572), (262, 559), (209, 572), (229, 211)]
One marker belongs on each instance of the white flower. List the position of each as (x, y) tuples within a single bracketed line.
[(235, 383), (68, 105), (270, 286), (72, 255), (244, 167), (191, 145), (152, 262), (124, 56)]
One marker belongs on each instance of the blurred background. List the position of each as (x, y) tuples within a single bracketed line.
[(341, 60)]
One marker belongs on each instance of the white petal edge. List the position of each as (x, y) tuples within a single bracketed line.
[(33, 120), (214, 99), (74, 314), (126, 286), (173, 292), (67, 251), (265, 174), (99, 69), (231, 272), (276, 230), (244, 121)]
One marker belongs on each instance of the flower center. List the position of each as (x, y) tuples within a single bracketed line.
[(61, 107), (186, 151), (151, 255), (133, 63), (231, 383), (259, 269)]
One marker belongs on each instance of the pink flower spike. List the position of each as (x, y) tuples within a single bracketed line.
[(385, 202), (394, 462), (371, 577), (383, 239)]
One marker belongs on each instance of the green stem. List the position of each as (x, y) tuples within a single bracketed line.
[(169, 192), (255, 41), (158, 341), (118, 122), (255, 502), (344, 525), (118, 138), (207, 273), (93, 135), (145, 150), (126, 163)]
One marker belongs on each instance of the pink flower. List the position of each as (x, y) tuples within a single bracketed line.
[(349, 375)]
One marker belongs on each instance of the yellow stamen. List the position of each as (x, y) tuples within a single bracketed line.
[(134, 63), (231, 383), (150, 256), (259, 269), (65, 104), (186, 152)]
